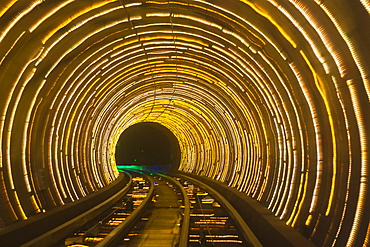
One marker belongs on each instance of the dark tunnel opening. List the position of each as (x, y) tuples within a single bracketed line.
[(148, 145)]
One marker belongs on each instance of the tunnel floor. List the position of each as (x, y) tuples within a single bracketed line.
[(163, 226)]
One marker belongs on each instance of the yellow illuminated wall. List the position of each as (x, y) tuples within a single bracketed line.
[(268, 96)]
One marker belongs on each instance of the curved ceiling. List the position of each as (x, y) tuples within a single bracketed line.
[(268, 96)]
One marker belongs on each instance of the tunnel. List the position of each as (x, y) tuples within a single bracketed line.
[(270, 97)]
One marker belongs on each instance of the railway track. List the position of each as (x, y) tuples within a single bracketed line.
[(160, 210)]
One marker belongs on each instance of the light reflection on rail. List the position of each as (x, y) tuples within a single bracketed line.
[(209, 224)]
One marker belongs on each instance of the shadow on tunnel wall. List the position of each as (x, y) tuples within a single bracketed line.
[(148, 145)]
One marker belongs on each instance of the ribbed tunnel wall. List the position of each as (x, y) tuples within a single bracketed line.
[(268, 96)]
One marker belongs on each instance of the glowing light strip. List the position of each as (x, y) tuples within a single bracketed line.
[(11, 48), (264, 14), (19, 17), (364, 173), (25, 137), (361, 63), (7, 6), (317, 137), (82, 12), (50, 13), (334, 149)]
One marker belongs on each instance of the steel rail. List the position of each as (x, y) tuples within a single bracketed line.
[(115, 236), (63, 231), (243, 227)]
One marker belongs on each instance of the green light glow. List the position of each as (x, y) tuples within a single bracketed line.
[(121, 168)]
